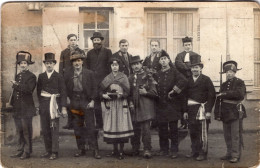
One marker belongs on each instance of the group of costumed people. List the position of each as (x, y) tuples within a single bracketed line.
[(126, 96)]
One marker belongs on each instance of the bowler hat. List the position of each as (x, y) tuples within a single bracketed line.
[(49, 57), (97, 35), (135, 59), (76, 55), (186, 39), (230, 65), (163, 53), (24, 56), (195, 59)]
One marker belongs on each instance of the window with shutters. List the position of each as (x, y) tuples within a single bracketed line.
[(257, 48), (95, 20), (169, 27)]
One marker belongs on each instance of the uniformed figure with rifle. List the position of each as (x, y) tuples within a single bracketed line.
[(231, 111)]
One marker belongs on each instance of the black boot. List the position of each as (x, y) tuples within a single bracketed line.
[(18, 154), (96, 154)]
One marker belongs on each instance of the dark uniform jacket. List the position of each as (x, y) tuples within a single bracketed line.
[(183, 67), (98, 62), (65, 60), (88, 83), (124, 66), (144, 104), (169, 109), (155, 64), (234, 91), (54, 85), (201, 91), (22, 99)]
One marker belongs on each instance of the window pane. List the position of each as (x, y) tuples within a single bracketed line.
[(89, 20), (163, 44), (257, 25), (156, 24), (257, 76), (103, 19), (177, 46), (182, 24), (87, 40), (105, 34)]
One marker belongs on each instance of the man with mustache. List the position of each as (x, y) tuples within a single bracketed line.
[(52, 97), (200, 93), (98, 61), (22, 101), (65, 65), (82, 91), (232, 111)]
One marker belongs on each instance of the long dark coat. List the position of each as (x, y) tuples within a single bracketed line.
[(169, 109), (98, 62), (124, 66), (54, 85), (234, 90), (65, 63), (201, 91), (22, 99), (183, 67), (144, 104), (88, 83)]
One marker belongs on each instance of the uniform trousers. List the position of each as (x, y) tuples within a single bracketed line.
[(24, 134), (232, 138), (141, 129), (168, 130)]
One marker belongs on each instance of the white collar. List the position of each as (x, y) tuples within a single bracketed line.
[(49, 73), (195, 78)]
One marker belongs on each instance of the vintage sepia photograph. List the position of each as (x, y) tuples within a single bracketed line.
[(126, 84)]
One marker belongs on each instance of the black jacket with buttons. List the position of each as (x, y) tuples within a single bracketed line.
[(22, 99), (124, 66), (232, 90)]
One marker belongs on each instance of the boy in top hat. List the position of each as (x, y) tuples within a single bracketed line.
[(231, 111), (142, 102), (65, 64), (52, 97), (170, 85), (82, 91), (124, 57), (22, 101), (200, 93)]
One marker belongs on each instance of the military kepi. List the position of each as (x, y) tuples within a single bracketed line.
[(195, 59), (24, 56), (49, 57), (230, 65)]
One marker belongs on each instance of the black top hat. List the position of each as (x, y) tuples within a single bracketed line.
[(97, 35), (186, 39), (230, 65), (49, 57), (195, 59), (163, 53), (76, 55), (24, 56), (135, 59)]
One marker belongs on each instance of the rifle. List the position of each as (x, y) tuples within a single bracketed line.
[(220, 104)]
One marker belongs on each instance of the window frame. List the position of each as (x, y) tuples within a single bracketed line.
[(256, 87)]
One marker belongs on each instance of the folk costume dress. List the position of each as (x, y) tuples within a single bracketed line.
[(117, 121)]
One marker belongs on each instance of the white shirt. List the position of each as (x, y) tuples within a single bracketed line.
[(49, 74), (195, 78)]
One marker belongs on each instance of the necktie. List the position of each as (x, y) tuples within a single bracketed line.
[(126, 57)]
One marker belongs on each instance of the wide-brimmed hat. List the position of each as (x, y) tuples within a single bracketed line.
[(97, 35), (230, 65), (163, 53), (186, 39), (135, 59), (195, 59), (76, 55), (49, 57), (24, 56)]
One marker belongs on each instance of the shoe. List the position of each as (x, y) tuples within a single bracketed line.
[(201, 157), (18, 154), (234, 160), (163, 153), (132, 153), (80, 153), (121, 156), (174, 155), (46, 155), (96, 154), (68, 126), (25, 156), (225, 157), (147, 154), (53, 156), (113, 154), (192, 155)]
